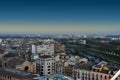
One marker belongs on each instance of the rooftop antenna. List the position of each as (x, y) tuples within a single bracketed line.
[(116, 75)]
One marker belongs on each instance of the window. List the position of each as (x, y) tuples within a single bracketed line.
[(48, 72), (41, 66), (109, 77), (93, 74), (5, 64), (105, 77), (116, 79), (101, 76), (96, 75), (48, 66), (26, 68), (41, 69), (41, 73), (8, 77)]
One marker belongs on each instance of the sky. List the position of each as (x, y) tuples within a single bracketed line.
[(59, 16)]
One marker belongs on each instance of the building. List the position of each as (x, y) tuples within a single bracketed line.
[(89, 71), (28, 66), (34, 56), (45, 49), (59, 67), (59, 48), (14, 74), (82, 42), (46, 65), (33, 48), (100, 67), (90, 75), (42, 48)]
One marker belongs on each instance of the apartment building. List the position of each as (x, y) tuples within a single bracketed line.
[(46, 65)]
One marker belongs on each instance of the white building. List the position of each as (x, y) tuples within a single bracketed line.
[(46, 65), (1, 40), (33, 48), (83, 41), (34, 56), (45, 49)]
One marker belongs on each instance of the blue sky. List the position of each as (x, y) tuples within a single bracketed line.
[(60, 16)]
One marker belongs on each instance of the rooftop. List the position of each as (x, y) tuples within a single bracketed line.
[(16, 73), (60, 77), (45, 56), (10, 55)]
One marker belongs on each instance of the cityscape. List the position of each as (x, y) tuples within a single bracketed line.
[(59, 57), (59, 40)]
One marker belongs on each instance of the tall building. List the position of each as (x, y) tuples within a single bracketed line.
[(46, 65), (33, 48)]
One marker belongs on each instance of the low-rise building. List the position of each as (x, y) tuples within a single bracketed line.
[(14, 74), (59, 48), (29, 66), (91, 75)]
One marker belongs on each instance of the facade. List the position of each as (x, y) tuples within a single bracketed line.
[(34, 56), (68, 71), (27, 66), (33, 49), (82, 42), (82, 69), (45, 49), (90, 75), (46, 65), (14, 74), (59, 67), (59, 48)]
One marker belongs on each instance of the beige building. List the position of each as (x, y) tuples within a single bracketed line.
[(27, 66), (82, 69)]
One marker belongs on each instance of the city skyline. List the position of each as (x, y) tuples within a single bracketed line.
[(59, 16)]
